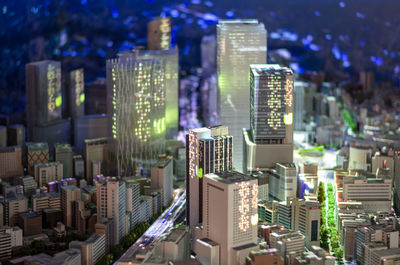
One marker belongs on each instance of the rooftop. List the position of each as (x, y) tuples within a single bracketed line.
[(29, 215), (269, 69), (34, 147), (229, 177)]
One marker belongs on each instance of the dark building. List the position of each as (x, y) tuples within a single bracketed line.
[(51, 217), (31, 223)]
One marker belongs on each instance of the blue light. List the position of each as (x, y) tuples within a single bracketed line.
[(362, 43), (4, 9), (307, 40), (110, 44), (83, 2), (114, 12), (229, 13), (317, 14), (359, 15), (275, 35), (342, 4), (314, 47), (196, 2), (208, 3), (102, 53), (174, 13), (328, 37), (336, 52)]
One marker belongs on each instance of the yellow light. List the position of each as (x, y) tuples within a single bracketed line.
[(288, 118), (254, 219)]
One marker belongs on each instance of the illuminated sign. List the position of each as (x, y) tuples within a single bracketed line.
[(244, 207)]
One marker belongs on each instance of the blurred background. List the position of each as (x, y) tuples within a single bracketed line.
[(337, 37)]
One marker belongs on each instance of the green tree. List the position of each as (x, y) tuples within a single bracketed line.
[(321, 193)]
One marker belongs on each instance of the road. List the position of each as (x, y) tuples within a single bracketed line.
[(145, 243)]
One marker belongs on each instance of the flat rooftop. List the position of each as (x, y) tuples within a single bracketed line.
[(269, 69), (229, 177)]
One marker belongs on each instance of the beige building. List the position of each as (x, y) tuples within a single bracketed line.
[(11, 161), (69, 194), (306, 218), (48, 172), (358, 158), (93, 249), (36, 153), (95, 150), (230, 201), (159, 34), (106, 227), (174, 245), (264, 256), (50, 200), (14, 206), (287, 241), (383, 161), (162, 177)]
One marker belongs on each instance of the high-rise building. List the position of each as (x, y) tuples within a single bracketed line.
[(283, 181), (16, 135), (111, 203), (89, 127), (270, 138), (95, 150), (306, 218), (28, 184), (208, 55), (36, 153), (136, 111), (43, 88), (230, 201), (170, 58), (162, 177), (208, 150), (69, 194), (159, 34), (63, 154), (11, 161), (5, 246), (106, 227), (299, 111), (48, 172), (132, 202), (93, 249), (239, 44), (76, 93), (14, 206)]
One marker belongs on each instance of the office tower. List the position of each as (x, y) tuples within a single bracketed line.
[(79, 167), (76, 93), (287, 241), (208, 48), (29, 185), (230, 214), (89, 127), (3, 136), (14, 206), (270, 138), (268, 211), (49, 200), (36, 153), (136, 112), (306, 218), (69, 194), (16, 135), (5, 246), (285, 214), (96, 95), (95, 150), (48, 172), (170, 58), (53, 132), (174, 245), (111, 203), (264, 256), (208, 150), (159, 34), (283, 181), (162, 177), (209, 100), (63, 154), (132, 202), (11, 161), (299, 111), (43, 89), (31, 223), (145, 208), (240, 44), (106, 227), (92, 249)]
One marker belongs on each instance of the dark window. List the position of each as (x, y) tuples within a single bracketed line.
[(314, 230)]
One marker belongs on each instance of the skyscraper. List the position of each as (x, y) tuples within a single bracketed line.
[(240, 43), (270, 138), (299, 111), (136, 111), (69, 194), (171, 59), (43, 89), (111, 203), (159, 34), (208, 150), (76, 93), (230, 203), (63, 154)]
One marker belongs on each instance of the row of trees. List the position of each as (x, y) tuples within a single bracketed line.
[(127, 241), (329, 237)]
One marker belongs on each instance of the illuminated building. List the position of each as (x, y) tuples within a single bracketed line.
[(11, 161), (270, 138), (239, 44), (36, 153), (159, 34), (306, 218), (63, 154), (48, 172), (171, 59), (111, 203), (230, 201), (43, 88), (95, 150), (76, 93), (69, 194), (136, 111), (208, 150)]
